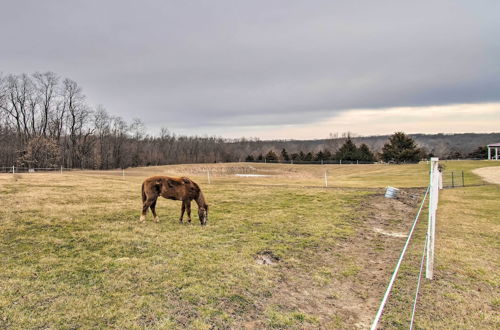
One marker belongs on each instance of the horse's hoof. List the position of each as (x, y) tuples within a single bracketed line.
[(157, 219), (142, 218)]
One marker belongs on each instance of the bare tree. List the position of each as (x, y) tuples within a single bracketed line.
[(46, 90)]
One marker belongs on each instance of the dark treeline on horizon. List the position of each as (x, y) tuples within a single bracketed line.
[(46, 121)]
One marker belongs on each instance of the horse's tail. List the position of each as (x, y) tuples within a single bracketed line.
[(144, 197)]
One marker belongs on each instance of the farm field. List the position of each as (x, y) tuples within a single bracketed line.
[(280, 251)]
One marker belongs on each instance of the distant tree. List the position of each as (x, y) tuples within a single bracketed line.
[(319, 156), (284, 155), (40, 152), (454, 154), (302, 156), (424, 154), (480, 152), (308, 157), (260, 157), (271, 156), (295, 156), (348, 151), (323, 155), (400, 149), (365, 154), (249, 158)]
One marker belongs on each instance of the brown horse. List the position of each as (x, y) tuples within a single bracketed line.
[(181, 189)]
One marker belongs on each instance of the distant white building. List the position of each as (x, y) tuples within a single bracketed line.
[(493, 146)]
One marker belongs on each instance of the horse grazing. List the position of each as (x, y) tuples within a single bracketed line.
[(181, 189)]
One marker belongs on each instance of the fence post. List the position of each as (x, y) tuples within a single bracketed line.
[(326, 180), (13, 169), (208, 175), (463, 182), (431, 228), (61, 169), (452, 180), (123, 172)]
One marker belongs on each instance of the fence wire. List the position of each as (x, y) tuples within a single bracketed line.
[(398, 265)]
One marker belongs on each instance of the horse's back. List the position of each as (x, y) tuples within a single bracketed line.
[(179, 188)]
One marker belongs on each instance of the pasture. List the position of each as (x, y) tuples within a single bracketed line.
[(278, 252)]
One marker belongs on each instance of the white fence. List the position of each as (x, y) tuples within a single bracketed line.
[(435, 183), (16, 169)]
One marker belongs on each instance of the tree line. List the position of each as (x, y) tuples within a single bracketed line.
[(400, 148), (47, 121), (347, 152)]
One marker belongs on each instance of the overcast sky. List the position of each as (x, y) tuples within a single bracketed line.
[(286, 69)]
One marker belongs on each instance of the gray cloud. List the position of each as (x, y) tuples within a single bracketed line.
[(200, 65)]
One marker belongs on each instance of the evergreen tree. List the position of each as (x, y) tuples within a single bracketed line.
[(284, 155), (271, 156), (260, 157), (365, 154), (348, 151), (400, 149), (302, 156), (319, 156), (308, 157), (295, 156), (249, 158), (480, 152)]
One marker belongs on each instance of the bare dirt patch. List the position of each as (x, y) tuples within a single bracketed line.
[(490, 174), (266, 257)]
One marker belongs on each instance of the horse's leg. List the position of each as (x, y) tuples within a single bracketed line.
[(153, 210), (188, 207), (182, 211), (145, 207)]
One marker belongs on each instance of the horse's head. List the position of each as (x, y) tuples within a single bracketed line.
[(203, 214)]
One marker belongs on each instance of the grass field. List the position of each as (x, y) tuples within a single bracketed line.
[(278, 251)]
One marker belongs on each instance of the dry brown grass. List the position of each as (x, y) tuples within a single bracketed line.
[(74, 255)]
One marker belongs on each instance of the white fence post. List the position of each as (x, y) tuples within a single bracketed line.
[(208, 176), (13, 169), (123, 172), (433, 203), (326, 180)]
